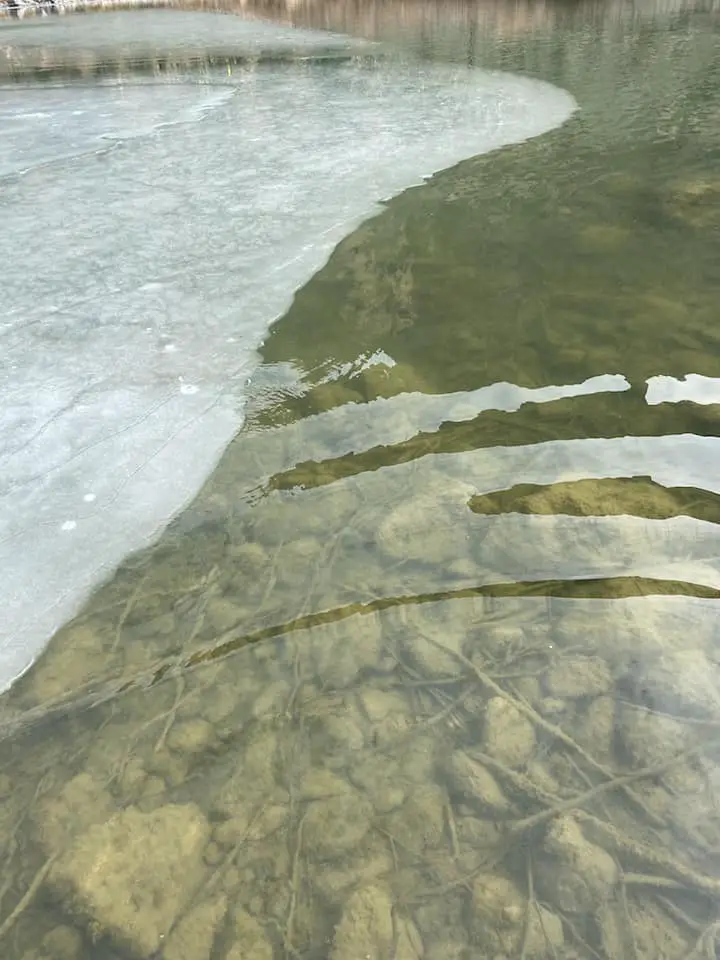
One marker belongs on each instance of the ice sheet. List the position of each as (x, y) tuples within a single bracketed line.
[(693, 387), (56, 127), (138, 281)]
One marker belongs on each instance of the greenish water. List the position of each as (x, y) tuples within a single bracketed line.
[(430, 666)]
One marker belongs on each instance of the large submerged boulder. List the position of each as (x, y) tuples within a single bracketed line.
[(130, 877)]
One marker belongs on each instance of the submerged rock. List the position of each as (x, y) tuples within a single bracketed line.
[(596, 728), (408, 942), (499, 915), (380, 780), (341, 650), (475, 782), (578, 676), (81, 802), (251, 942), (335, 825), (577, 876), (509, 735), (223, 614), (365, 865), (337, 730), (419, 824), (254, 778), (682, 681), (194, 935), (80, 656), (429, 636), (365, 929), (130, 877), (649, 738), (63, 943), (443, 925), (388, 714), (320, 784)]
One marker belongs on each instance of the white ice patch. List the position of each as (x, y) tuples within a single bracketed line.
[(137, 284), (110, 113), (693, 387)]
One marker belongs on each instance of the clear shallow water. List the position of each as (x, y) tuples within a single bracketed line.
[(429, 668)]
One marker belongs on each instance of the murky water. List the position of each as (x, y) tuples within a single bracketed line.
[(430, 666)]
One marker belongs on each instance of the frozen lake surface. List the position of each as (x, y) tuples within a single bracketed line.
[(151, 233)]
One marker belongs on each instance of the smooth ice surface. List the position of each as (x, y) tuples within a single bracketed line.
[(58, 127), (140, 279), (693, 387)]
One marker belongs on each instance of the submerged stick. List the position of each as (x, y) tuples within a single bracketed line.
[(27, 898), (579, 800), (539, 721)]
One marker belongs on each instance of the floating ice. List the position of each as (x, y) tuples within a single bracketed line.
[(693, 387), (103, 115), (190, 235)]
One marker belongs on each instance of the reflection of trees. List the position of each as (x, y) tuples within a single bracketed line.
[(378, 19), (50, 62)]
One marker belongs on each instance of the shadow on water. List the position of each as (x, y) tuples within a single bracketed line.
[(430, 666)]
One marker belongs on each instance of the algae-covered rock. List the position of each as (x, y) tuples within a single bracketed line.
[(194, 935), (649, 738), (335, 825), (446, 950), (319, 784), (499, 914), (429, 636), (387, 712), (250, 939), (578, 676), (656, 935), (478, 833), (132, 778), (130, 877), (441, 920), (77, 655), (337, 728), (509, 736), (170, 766), (490, 642), (63, 943), (222, 614), (365, 929), (379, 778), (595, 729), (475, 783), (419, 824), (81, 802), (272, 699), (576, 875), (191, 736), (254, 776), (408, 942), (365, 865), (418, 757), (696, 202), (269, 820), (5, 786), (341, 650)]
